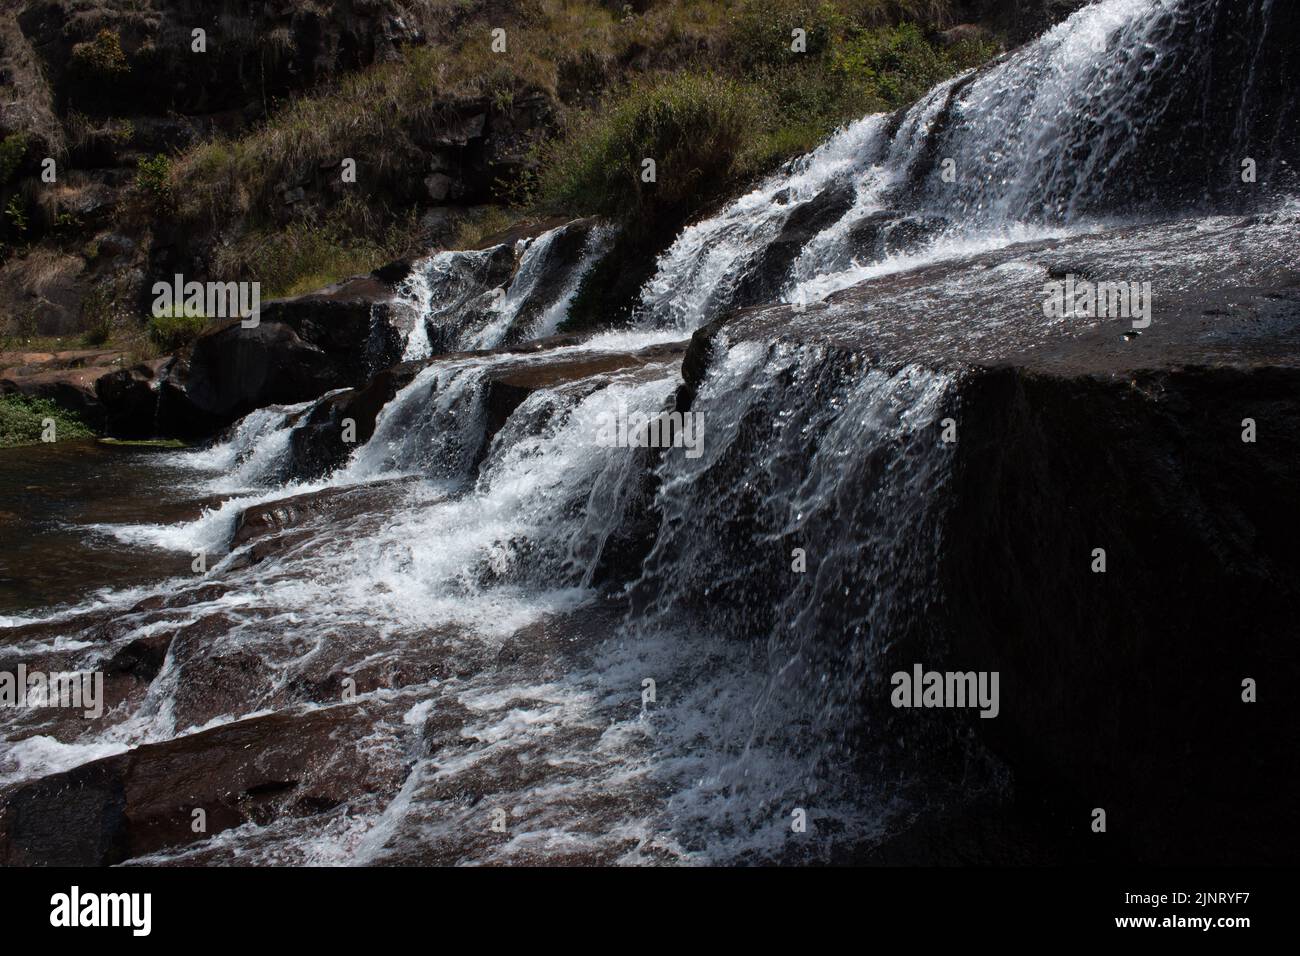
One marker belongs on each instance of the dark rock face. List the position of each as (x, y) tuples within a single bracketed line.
[(52, 297), (232, 371), (464, 308), (130, 399), (1120, 690), (536, 264), (1123, 689), (285, 45), (317, 443), (300, 349), (142, 658), (888, 233)]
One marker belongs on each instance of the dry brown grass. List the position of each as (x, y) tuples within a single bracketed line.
[(38, 272), (28, 103)]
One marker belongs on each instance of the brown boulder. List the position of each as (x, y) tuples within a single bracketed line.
[(72, 388), (301, 348)]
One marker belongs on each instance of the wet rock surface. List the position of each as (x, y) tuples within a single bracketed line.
[(1222, 292), (274, 526), (377, 706), (317, 443), (508, 385), (1120, 690), (764, 281), (250, 771)]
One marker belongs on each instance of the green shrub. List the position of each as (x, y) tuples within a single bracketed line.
[(16, 213), (12, 150), (102, 58), (22, 421), (764, 30), (153, 177), (899, 64), (693, 126), (176, 328)]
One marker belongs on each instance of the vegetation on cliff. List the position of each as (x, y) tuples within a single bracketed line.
[(314, 167)]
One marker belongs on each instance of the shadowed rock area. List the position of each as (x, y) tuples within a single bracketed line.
[(1117, 691)]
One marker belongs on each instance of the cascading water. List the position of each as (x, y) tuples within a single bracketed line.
[(443, 287), (1058, 137), (486, 298), (254, 455), (453, 576), (430, 428)]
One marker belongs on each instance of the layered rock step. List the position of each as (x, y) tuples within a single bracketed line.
[(1115, 530), (193, 787), (323, 441)]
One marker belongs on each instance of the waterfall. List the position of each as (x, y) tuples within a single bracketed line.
[(443, 288), (1060, 136), (521, 585), (504, 294), (432, 427), (807, 528), (252, 454)]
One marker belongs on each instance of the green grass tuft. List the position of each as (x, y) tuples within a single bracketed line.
[(176, 329), (692, 127), (23, 421)]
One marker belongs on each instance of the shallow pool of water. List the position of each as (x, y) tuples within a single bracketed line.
[(50, 497)]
